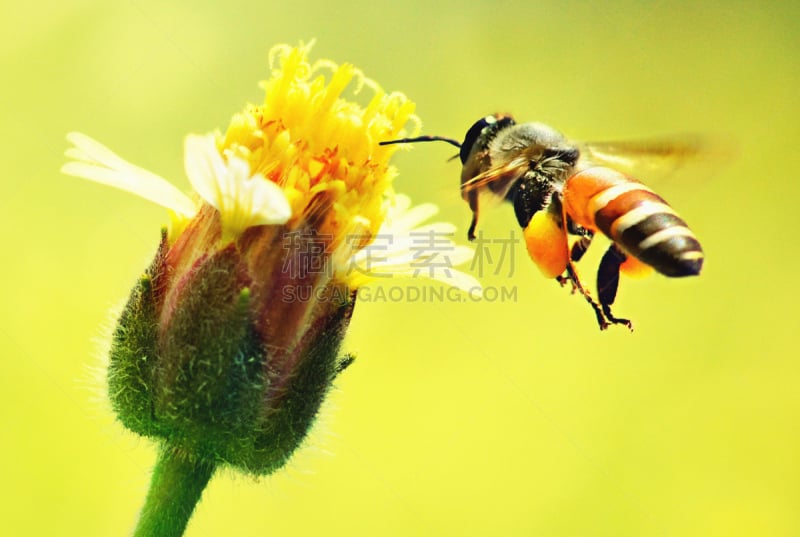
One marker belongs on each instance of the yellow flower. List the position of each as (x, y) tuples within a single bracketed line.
[(230, 339)]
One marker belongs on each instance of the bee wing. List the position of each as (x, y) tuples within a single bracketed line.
[(502, 174), (655, 158)]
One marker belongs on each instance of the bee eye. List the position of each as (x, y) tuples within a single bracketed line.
[(472, 137), (482, 131)]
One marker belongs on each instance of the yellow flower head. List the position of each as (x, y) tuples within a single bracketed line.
[(321, 149)]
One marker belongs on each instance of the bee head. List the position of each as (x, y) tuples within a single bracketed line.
[(478, 136), (481, 133)]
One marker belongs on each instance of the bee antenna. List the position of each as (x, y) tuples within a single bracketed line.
[(422, 139)]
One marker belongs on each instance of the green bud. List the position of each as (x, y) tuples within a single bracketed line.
[(210, 359)]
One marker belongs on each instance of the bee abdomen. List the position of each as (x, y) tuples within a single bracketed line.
[(645, 226), (634, 217)]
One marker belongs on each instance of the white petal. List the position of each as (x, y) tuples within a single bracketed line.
[(204, 166), (459, 280), (462, 281), (440, 230), (243, 201), (398, 204), (412, 217), (459, 255), (96, 162), (263, 201), (408, 252), (449, 276)]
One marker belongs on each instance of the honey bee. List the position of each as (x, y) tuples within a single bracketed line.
[(565, 192)]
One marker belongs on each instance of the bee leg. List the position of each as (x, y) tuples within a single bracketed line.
[(608, 282), (572, 276), (472, 226), (576, 252), (580, 246), (575, 229), (472, 198)]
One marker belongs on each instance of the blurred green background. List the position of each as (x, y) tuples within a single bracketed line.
[(457, 419)]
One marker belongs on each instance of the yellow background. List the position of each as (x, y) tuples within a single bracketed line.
[(456, 419)]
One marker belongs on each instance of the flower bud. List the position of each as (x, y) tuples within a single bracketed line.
[(212, 360)]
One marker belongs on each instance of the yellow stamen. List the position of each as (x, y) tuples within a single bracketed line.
[(307, 139)]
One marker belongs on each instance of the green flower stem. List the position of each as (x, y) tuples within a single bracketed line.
[(177, 484)]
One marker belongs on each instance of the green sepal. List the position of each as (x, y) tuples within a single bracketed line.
[(211, 378), (285, 423), (133, 356)]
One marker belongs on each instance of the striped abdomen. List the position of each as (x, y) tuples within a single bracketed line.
[(634, 217)]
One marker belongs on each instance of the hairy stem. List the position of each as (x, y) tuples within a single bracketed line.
[(176, 486)]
